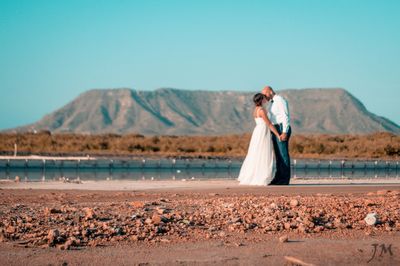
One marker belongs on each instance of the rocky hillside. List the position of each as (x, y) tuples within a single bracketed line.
[(184, 112)]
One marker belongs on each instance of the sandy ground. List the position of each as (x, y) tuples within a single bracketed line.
[(330, 247), (129, 185), (316, 250)]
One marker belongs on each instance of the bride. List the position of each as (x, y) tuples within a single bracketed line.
[(258, 164)]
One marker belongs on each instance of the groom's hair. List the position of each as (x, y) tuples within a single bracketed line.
[(258, 99)]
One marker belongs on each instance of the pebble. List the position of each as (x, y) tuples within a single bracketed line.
[(137, 204), (52, 236), (294, 203), (284, 239), (11, 229), (67, 245), (89, 213), (156, 219), (371, 219)]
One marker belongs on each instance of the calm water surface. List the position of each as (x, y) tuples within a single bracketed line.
[(117, 169)]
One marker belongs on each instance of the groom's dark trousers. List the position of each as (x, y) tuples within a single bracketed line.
[(281, 148)]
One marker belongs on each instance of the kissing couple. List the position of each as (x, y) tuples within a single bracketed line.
[(269, 141)]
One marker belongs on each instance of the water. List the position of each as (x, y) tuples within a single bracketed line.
[(197, 169)]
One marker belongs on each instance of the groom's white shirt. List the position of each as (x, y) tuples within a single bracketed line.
[(279, 112)]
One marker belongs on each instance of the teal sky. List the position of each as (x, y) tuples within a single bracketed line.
[(51, 51)]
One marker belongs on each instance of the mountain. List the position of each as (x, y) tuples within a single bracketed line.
[(183, 112)]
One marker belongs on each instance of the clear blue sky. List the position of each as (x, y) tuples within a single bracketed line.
[(51, 51)]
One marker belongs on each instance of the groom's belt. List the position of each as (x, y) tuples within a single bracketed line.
[(279, 124)]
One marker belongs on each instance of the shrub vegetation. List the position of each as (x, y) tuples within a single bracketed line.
[(379, 145)]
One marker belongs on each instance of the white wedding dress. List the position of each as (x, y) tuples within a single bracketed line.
[(258, 164)]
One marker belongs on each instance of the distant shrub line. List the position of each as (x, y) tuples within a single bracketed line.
[(379, 145)]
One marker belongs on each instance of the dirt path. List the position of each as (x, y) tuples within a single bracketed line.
[(201, 226)]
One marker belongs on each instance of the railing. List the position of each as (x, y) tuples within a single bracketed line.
[(346, 167), (191, 164)]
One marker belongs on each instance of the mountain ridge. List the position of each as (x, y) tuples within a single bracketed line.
[(170, 111)]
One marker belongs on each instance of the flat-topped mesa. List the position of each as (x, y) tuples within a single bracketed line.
[(169, 111)]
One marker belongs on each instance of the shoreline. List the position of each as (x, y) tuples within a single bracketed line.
[(96, 156)]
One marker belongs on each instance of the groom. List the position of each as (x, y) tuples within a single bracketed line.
[(279, 116)]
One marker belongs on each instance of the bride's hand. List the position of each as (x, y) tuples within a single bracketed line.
[(283, 137)]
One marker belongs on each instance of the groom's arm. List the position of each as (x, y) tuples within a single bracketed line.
[(283, 106)]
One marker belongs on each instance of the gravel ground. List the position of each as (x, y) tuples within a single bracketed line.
[(201, 225)]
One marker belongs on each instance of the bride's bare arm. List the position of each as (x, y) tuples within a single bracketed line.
[(269, 124)]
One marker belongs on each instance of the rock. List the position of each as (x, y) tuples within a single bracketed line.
[(118, 231), (382, 192), (67, 245), (371, 219), (296, 261), (160, 211), (137, 204), (86, 232), (273, 206), (11, 229), (318, 229), (2, 237), (48, 211), (161, 230), (311, 225), (94, 242), (135, 216), (328, 225), (394, 193), (294, 203), (370, 203), (236, 220), (89, 213), (165, 219), (52, 236), (284, 239), (156, 219), (301, 229), (231, 228)]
